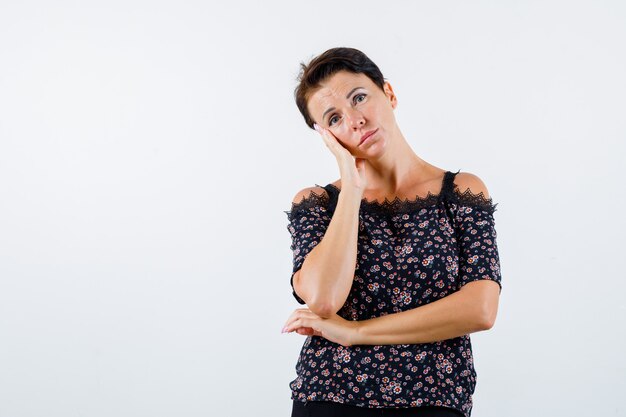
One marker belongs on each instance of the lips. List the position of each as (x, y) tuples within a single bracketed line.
[(367, 135)]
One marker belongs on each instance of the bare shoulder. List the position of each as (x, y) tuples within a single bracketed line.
[(468, 181), (308, 192)]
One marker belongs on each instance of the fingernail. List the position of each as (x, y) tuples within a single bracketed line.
[(316, 127), (284, 329)]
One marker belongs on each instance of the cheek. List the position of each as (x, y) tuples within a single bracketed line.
[(342, 138), (341, 133)]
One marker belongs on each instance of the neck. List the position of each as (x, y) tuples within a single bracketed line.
[(397, 169)]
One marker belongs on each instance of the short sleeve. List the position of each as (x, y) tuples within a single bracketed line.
[(308, 221), (478, 249)]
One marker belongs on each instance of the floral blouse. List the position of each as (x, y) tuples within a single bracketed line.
[(410, 253)]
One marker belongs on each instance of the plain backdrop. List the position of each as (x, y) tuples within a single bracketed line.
[(149, 149)]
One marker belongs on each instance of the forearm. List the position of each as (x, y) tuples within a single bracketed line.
[(327, 273), (452, 316)]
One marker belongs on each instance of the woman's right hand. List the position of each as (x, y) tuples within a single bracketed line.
[(351, 169)]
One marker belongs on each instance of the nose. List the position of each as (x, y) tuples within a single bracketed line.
[(356, 119)]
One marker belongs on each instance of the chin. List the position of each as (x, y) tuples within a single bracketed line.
[(375, 150)]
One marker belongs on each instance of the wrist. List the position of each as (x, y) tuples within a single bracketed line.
[(351, 194), (356, 335)]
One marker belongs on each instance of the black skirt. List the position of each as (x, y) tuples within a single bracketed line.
[(333, 409)]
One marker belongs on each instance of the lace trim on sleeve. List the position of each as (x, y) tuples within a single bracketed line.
[(309, 201), (467, 197)]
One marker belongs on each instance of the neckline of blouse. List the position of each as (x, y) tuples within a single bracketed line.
[(399, 206)]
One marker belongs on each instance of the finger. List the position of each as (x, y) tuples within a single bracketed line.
[(290, 320), (298, 323), (329, 136), (299, 311), (308, 331), (305, 331), (296, 314), (325, 133), (360, 166)]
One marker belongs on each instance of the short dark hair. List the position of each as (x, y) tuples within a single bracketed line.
[(325, 65)]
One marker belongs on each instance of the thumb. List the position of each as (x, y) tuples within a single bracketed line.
[(360, 166)]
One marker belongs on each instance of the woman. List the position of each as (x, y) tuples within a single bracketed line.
[(396, 264)]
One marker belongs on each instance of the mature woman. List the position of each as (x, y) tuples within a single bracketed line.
[(396, 261)]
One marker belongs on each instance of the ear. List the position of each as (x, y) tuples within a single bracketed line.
[(390, 95)]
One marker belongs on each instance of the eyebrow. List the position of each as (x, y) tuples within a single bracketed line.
[(347, 96)]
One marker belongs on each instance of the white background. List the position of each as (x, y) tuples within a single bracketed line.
[(149, 148)]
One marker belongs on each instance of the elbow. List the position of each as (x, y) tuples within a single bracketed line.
[(486, 325), (322, 308), (487, 320), (488, 312), (325, 304), (318, 301)]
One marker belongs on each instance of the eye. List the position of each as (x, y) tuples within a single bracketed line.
[(355, 100), (357, 96)]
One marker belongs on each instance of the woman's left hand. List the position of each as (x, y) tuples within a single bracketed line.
[(335, 328)]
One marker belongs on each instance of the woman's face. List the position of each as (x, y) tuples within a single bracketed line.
[(350, 106)]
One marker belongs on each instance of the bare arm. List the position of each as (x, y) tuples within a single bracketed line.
[(463, 312), (325, 278)]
